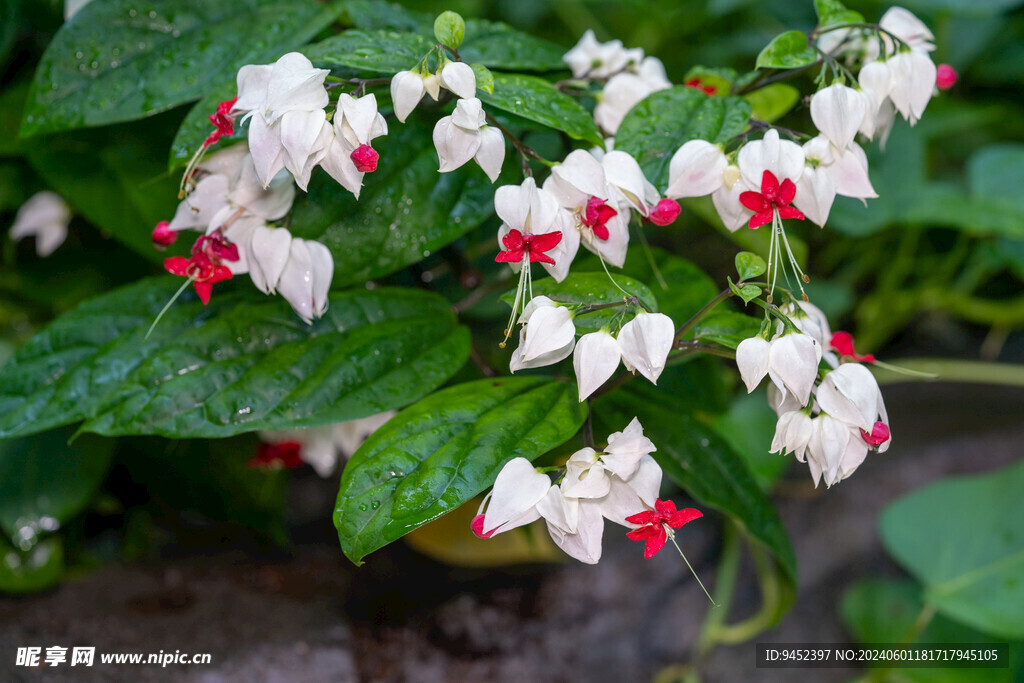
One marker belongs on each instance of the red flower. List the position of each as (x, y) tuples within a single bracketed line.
[(656, 524), (163, 236), (224, 122), (519, 245), (879, 434), (664, 212), (365, 158), (842, 342), (771, 199), (596, 216), (287, 455), (204, 267)]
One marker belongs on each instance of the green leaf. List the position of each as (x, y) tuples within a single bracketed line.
[(884, 611), (832, 12), (242, 363), (33, 571), (46, 481), (450, 28), (439, 453), (500, 46), (719, 79), (772, 102), (727, 328), (120, 60), (114, 177), (787, 50), (407, 210), (687, 288), (748, 427), (694, 456), (991, 172), (749, 265), (590, 288), (380, 51), (375, 15), (484, 78), (12, 104), (963, 538), (747, 292), (659, 125), (539, 101)]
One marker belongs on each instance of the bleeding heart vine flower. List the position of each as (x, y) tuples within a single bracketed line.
[(459, 78), (789, 360), (46, 216), (624, 90), (465, 135), (205, 267), (348, 153), (547, 335), (659, 525), (591, 59)]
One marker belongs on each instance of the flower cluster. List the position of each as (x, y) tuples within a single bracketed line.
[(320, 447), (619, 482)]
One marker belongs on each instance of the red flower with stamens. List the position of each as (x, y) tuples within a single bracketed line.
[(365, 158), (222, 120), (518, 246), (842, 342), (596, 216), (879, 435), (204, 267), (656, 524), (286, 455), (773, 198)]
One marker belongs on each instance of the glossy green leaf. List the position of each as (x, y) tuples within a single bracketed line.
[(407, 210), (787, 50), (747, 292), (884, 611), (772, 102), (120, 60), (500, 46), (593, 289), (727, 328), (484, 78), (749, 265), (694, 456), (963, 538), (439, 453), (659, 125), (539, 101), (113, 176), (370, 52), (45, 481), (32, 571), (242, 363), (832, 12), (374, 15)]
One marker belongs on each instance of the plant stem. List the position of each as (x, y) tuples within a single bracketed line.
[(526, 153), (722, 296)]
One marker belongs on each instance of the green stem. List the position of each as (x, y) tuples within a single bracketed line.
[(722, 296), (650, 259), (743, 631)]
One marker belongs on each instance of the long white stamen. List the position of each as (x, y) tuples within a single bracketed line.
[(801, 277), (163, 310), (524, 280)]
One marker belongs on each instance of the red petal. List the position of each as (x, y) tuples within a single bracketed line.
[(790, 212), (787, 191), (477, 526), (365, 158), (601, 232), (177, 265), (204, 290), (536, 257), (219, 274), (666, 212), (684, 516), (769, 185), (663, 508), (605, 213), (509, 256), (879, 434), (645, 517), (754, 201), (542, 243), (762, 218), (643, 532), (655, 543), (513, 240), (163, 236)]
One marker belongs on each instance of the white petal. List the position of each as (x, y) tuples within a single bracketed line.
[(491, 154), (406, 93), (752, 361), (339, 165), (268, 155), (268, 253), (849, 172), (296, 282), (565, 251), (726, 200), (459, 78), (252, 81), (695, 170), (621, 501), (517, 490), (323, 273), (585, 477), (578, 178), (585, 544), (875, 78), (783, 158), (45, 215), (295, 85), (455, 145), (815, 193), (793, 364), (837, 111), (300, 131), (548, 329), (645, 342), (621, 93), (850, 394), (358, 115), (200, 206), (923, 84), (626, 448), (907, 27), (595, 359), (269, 203), (623, 173)]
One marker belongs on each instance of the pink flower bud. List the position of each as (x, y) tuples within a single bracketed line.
[(163, 236), (879, 434), (945, 77), (666, 211), (365, 158)]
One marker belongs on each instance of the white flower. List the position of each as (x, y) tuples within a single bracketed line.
[(700, 168), (322, 446), (850, 394), (348, 155), (908, 28), (628, 183), (591, 59), (626, 449), (595, 359), (831, 171), (534, 211), (623, 91), (284, 103), (465, 135), (793, 433), (459, 78), (645, 342), (547, 335), (46, 216), (513, 500), (306, 278), (406, 92), (783, 158), (838, 111), (790, 360)]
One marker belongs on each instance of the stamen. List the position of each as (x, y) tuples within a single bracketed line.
[(672, 537), (186, 283), (524, 278), (793, 263)]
